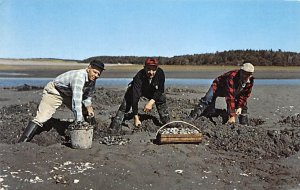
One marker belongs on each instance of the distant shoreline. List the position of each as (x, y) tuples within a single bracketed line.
[(50, 69)]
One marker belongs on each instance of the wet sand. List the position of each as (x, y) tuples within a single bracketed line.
[(263, 155)]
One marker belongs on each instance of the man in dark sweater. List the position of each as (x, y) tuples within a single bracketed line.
[(150, 83)]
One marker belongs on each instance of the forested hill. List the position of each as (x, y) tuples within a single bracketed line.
[(233, 57)]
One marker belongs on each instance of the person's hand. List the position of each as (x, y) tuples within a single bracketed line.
[(148, 107), (238, 111), (137, 121), (231, 119), (90, 111)]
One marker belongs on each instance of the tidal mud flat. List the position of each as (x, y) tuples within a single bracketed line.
[(16, 68), (264, 155)]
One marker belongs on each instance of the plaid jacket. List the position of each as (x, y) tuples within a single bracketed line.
[(76, 84), (229, 86)]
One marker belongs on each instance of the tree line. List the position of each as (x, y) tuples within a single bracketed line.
[(232, 57)]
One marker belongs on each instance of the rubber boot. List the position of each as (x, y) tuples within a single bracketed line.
[(28, 132), (163, 112), (116, 123), (243, 119), (198, 110)]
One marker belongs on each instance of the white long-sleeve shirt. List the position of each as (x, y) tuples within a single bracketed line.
[(75, 84)]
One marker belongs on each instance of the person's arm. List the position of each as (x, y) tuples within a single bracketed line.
[(160, 88), (137, 121), (136, 92), (90, 111), (87, 99), (77, 92), (87, 102), (230, 100), (245, 94), (148, 107)]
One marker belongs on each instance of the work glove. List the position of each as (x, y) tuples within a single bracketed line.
[(148, 107), (137, 121), (231, 119), (238, 111)]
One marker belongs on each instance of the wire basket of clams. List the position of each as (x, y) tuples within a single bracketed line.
[(176, 132)]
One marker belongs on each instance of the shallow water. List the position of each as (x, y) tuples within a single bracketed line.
[(119, 82)]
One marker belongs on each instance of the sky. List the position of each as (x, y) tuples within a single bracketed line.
[(76, 29)]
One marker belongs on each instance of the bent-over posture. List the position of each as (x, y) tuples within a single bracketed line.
[(236, 87), (74, 89), (150, 83)]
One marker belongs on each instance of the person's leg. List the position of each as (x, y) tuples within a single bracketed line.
[(204, 102), (51, 100), (162, 109), (28, 132), (211, 108), (125, 106)]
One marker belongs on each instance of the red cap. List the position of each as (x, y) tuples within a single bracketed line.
[(151, 61)]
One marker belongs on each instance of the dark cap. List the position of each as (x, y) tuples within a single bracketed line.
[(151, 61), (97, 63)]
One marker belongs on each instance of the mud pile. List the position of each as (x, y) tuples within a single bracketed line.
[(25, 87), (293, 121), (257, 140), (13, 119), (254, 141)]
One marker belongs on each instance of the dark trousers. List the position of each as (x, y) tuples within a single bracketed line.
[(161, 105), (127, 101), (207, 104), (209, 100)]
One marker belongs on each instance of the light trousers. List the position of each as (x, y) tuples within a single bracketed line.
[(51, 100)]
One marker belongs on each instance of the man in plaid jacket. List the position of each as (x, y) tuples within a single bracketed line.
[(236, 87)]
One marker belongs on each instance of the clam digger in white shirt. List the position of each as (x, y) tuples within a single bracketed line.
[(74, 89)]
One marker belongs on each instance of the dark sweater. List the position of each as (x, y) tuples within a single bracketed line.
[(141, 87)]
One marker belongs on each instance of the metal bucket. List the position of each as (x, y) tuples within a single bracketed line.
[(82, 138)]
